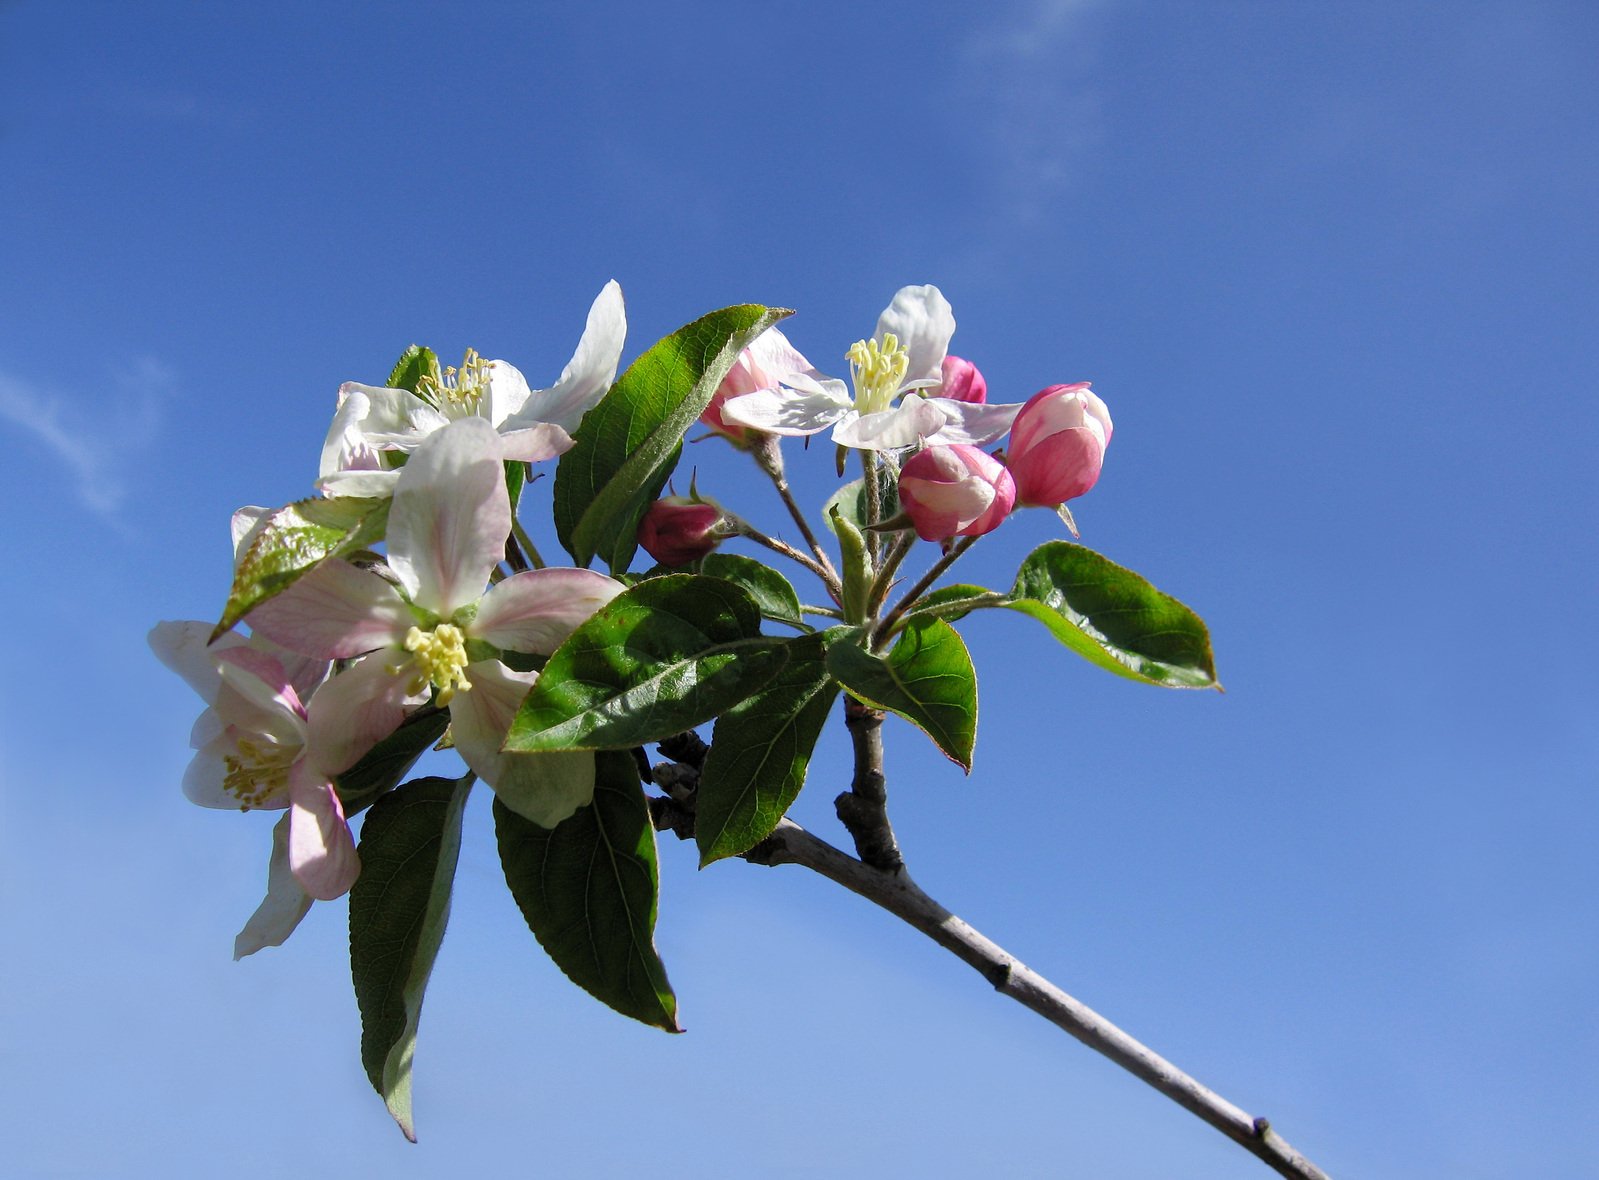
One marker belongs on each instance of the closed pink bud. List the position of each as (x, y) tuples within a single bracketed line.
[(1057, 445), (962, 381), (676, 531), (955, 491)]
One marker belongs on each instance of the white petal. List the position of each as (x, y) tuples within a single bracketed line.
[(282, 908), (778, 360), (922, 319), (536, 443), (904, 426), (335, 612), (183, 647), (392, 418), (535, 611), (787, 412), (368, 484), (508, 391), (971, 423), (202, 780), (355, 710), (450, 517), (246, 525), (321, 850), (588, 374)]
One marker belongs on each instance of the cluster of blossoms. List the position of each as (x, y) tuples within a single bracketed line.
[(912, 403), (340, 659)]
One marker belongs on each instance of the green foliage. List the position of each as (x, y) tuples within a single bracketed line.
[(953, 602), (399, 907), (628, 444), (926, 678), (588, 890), (662, 657), (759, 752), (387, 762), (295, 538), (771, 591), (855, 564), (1114, 618), (415, 363)]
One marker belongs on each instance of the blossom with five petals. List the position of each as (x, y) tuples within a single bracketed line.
[(533, 425), (903, 360), (439, 630)]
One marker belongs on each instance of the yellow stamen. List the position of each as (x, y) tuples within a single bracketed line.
[(439, 657), (257, 772), (878, 369), (458, 393)]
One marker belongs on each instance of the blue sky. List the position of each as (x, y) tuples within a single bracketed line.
[(1333, 270)]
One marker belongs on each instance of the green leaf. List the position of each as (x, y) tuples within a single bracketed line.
[(399, 907), (1114, 618), (293, 539), (770, 589), (855, 564), (954, 601), (588, 890), (760, 750), (851, 501), (415, 363), (387, 763), (628, 444), (660, 658), (926, 678)]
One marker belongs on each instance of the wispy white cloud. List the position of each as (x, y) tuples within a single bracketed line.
[(1033, 74), (91, 439)]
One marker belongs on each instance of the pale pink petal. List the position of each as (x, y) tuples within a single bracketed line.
[(922, 320), (259, 677), (202, 779), (356, 709), (370, 485), (590, 372), (773, 360), (790, 412), (321, 850), (335, 612), (535, 611), (185, 648), (450, 517), (543, 788), (535, 444), (246, 524), (971, 423), (282, 908)]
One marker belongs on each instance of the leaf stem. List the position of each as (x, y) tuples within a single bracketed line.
[(528, 548), (825, 573), (886, 627), (768, 456)]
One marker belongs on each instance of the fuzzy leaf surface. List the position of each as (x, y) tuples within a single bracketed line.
[(772, 592)]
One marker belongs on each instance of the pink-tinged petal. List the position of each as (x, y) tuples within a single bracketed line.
[(206, 729), (535, 444), (345, 447), (259, 677), (787, 412), (450, 517), (183, 647), (1098, 411), (355, 710), (1052, 409), (543, 788), (922, 320), (590, 372), (535, 611), (971, 424), (335, 612), (1058, 468), (282, 908), (904, 426), (321, 850)]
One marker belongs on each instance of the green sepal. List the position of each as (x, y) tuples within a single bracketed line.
[(628, 443), (855, 564), (1113, 617), (291, 540), (926, 677), (760, 749), (588, 890), (772, 592), (661, 657), (399, 907)]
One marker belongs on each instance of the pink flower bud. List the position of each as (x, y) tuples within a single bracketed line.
[(676, 531), (1057, 444), (962, 381), (955, 491)]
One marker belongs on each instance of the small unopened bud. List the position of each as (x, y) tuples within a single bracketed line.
[(1057, 445), (955, 491), (677, 530), (962, 381)]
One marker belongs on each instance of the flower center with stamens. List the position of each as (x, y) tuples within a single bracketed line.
[(458, 393), (439, 657), (257, 772), (877, 368)]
